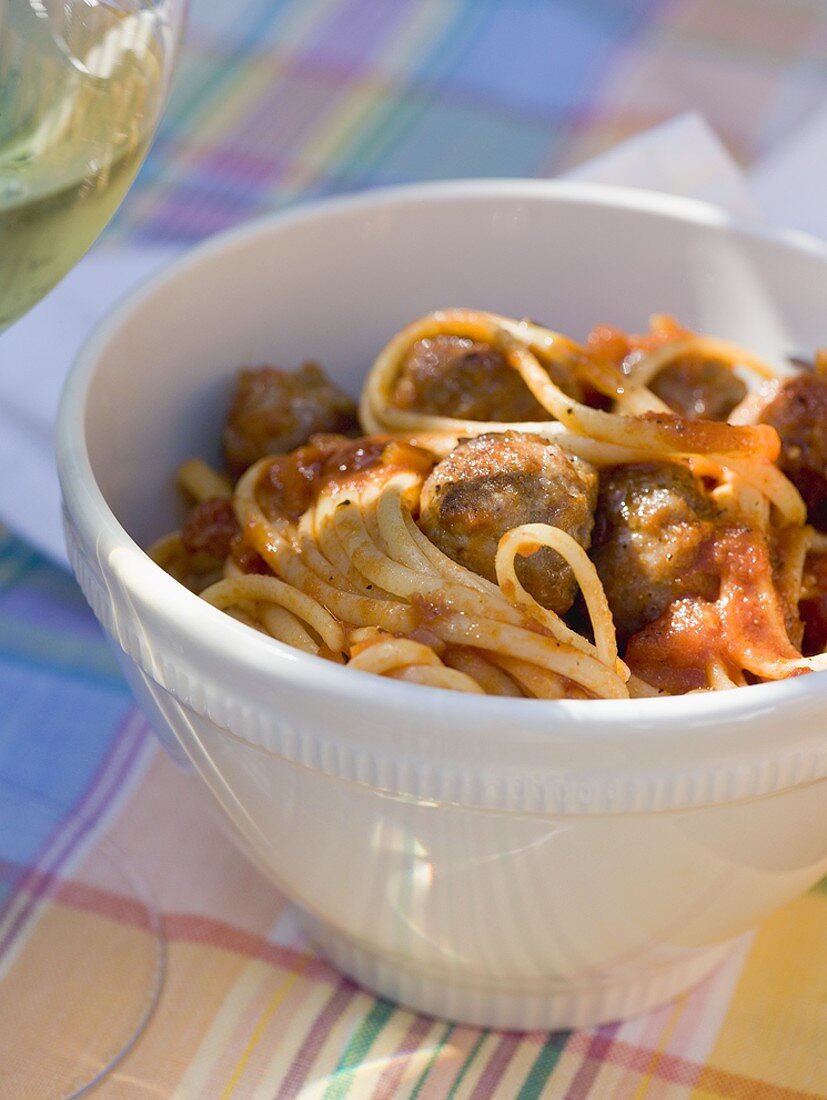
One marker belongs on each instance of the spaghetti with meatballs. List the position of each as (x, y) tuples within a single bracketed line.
[(513, 513)]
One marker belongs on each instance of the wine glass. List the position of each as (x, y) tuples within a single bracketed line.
[(82, 85)]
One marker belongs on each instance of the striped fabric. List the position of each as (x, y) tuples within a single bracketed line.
[(278, 100), (275, 101)]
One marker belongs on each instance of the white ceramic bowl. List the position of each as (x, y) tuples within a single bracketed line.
[(506, 862)]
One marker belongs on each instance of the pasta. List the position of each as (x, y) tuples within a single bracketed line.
[(457, 551)]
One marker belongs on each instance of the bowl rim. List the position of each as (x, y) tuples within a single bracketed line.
[(241, 647)]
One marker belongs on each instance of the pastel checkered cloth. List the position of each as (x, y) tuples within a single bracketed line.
[(277, 100)]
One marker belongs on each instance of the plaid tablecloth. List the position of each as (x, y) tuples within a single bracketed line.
[(277, 100)]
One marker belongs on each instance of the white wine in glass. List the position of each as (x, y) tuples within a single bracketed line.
[(82, 84)]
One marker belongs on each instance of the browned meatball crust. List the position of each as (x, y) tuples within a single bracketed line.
[(494, 482), (467, 380), (652, 522), (273, 411), (698, 388), (798, 412)]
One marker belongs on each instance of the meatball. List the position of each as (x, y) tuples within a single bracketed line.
[(209, 528), (211, 534), (694, 386), (798, 412), (698, 388), (273, 411), (813, 606), (652, 522), (494, 482), (452, 376)]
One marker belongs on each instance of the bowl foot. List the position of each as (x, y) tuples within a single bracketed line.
[(543, 1006)]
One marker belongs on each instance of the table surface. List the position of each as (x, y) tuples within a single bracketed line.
[(275, 102)]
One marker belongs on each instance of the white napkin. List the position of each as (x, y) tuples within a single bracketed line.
[(682, 157), (788, 184)]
